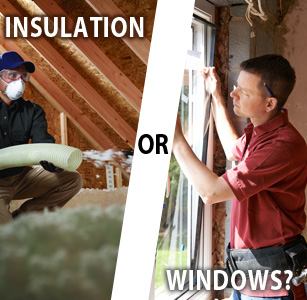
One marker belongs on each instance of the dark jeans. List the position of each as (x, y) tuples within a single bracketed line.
[(238, 296)]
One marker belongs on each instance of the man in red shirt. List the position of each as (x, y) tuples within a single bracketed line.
[(268, 184)]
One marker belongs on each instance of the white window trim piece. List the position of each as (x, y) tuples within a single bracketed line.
[(205, 254), (202, 14)]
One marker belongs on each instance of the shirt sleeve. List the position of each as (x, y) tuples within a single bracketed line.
[(39, 132), (259, 171), (238, 147)]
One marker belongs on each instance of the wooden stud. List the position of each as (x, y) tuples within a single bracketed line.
[(118, 178), (64, 136)]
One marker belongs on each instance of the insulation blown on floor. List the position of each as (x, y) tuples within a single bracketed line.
[(67, 254)]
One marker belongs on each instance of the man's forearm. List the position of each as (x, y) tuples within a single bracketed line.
[(210, 187), (224, 126)]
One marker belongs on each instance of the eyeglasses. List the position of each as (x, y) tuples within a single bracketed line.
[(15, 75)]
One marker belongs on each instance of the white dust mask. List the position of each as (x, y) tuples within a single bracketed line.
[(15, 89)]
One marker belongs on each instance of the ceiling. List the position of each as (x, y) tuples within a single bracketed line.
[(226, 2)]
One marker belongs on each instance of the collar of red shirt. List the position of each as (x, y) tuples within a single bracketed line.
[(270, 125)]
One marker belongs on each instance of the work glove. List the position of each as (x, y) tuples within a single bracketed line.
[(50, 166)]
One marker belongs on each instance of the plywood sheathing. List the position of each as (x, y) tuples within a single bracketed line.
[(141, 8), (89, 72), (121, 55)]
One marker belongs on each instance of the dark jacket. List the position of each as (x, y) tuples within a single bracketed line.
[(21, 122)]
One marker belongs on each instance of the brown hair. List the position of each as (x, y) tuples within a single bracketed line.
[(275, 71)]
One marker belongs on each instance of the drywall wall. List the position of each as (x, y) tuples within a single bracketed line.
[(294, 47), (292, 43)]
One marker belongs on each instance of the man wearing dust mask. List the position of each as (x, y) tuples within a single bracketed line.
[(22, 121)]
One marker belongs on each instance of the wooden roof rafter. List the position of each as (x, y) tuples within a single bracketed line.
[(77, 82), (121, 82), (107, 7)]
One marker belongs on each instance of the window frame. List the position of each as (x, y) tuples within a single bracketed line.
[(205, 245)]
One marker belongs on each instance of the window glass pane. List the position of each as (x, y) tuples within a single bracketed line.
[(178, 239)]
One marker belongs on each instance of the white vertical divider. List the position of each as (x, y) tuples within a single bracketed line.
[(148, 178)]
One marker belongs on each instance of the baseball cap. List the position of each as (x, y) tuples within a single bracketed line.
[(11, 60)]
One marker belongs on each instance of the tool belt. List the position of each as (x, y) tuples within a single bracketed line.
[(291, 256)]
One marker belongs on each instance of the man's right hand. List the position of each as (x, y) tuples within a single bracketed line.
[(212, 81), (225, 128)]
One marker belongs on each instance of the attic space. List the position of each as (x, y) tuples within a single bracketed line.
[(90, 88)]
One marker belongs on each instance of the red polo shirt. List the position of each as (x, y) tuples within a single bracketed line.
[(269, 184)]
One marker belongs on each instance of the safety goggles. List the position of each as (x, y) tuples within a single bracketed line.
[(13, 75)]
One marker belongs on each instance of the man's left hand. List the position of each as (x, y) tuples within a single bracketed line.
[(50, 167)]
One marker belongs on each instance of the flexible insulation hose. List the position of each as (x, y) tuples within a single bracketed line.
[(65, 157)]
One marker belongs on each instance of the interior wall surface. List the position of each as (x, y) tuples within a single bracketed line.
[(292, 44), (282, 33)]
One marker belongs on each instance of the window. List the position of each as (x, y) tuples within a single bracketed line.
[(179, 242)]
